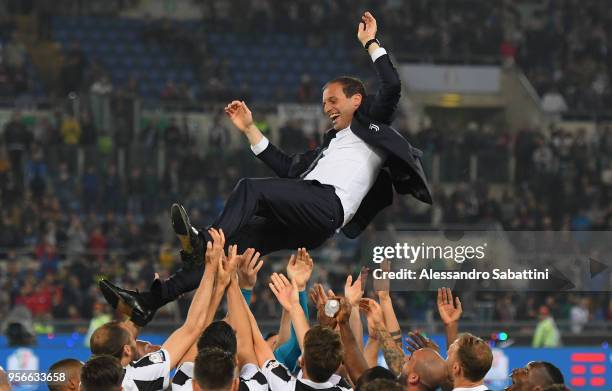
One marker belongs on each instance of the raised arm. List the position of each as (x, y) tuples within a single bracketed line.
[(383, 105), (287, 295), (394, 356), (384, 298), (354, 292), (239, 318), (248, 267), (181, 340), (450, 313), (353, 358)]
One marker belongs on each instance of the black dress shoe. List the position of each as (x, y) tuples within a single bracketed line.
[(140, 314), (192, 244)]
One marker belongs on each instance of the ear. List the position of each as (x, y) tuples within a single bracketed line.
[(413, 379), (127, 352), (356, 100), (73, 383), (456, 369)]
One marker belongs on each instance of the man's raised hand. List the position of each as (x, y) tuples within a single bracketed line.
[(226, 269), (373, 312), (214, 250), (449, 312), (299, 268), (286, 292), (354, 291), (249, 266), (240, 115), (416, 341), (367, 28)]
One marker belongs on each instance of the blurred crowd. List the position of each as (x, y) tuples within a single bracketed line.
[(561, 45), (62, 226)]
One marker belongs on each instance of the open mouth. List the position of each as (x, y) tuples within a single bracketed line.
[(334, 117)]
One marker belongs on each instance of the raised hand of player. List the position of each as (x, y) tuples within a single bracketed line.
[(214, 250), (354, 291), (373, 313), (286, 292), (248, 267), (416, 341), (449, 312), (367, 28), (319, 298), (226, 268), (381, 286), (240, 115), (300, 267), (344, 313)]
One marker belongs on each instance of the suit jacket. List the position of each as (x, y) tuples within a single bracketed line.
[(402, 169)]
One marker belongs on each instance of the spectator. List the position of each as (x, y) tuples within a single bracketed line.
[(546, 332), (18, 140), (580, 315)]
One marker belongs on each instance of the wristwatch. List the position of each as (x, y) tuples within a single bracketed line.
[(371, 41)]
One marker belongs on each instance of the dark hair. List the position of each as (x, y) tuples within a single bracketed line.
[(220, 335), (475, 356), (322, 353), (214, 368), (552, 371), (350, 85), (372, 374), (382, 385), (65, 366), (102, 373), (110, 339)]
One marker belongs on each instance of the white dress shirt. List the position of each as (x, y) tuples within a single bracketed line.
[(349, 164), (477, 388)]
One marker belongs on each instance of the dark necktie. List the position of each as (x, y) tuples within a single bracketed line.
[(326, 140)]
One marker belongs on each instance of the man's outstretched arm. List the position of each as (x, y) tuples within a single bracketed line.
[(181, 340), (385, 101)]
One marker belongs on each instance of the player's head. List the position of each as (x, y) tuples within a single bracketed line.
[(469, 358), (371, 374), (220, 335), (102, 373), (322, 353), (68, 373), (115, 340), (341, 98), (535, 376), (271, 339), (215, 369), (425, 369), (382, 385)]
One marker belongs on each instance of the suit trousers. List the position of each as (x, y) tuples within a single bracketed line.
[(267, 214)]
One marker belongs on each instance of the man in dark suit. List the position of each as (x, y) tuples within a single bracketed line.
[(341, 185)]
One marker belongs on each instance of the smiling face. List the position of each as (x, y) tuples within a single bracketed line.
[(339, 107)]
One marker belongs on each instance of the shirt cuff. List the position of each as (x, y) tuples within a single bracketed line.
[(261, 145), (377, 53)]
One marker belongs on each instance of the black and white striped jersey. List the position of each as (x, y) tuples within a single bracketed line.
[(150, 373), (280, 379), (251, 378)]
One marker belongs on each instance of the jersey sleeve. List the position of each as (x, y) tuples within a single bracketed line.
[(151, 372), (278, 376)]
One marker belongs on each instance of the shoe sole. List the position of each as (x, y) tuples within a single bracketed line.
[(182, 226), (180, 220), (109, 293)]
